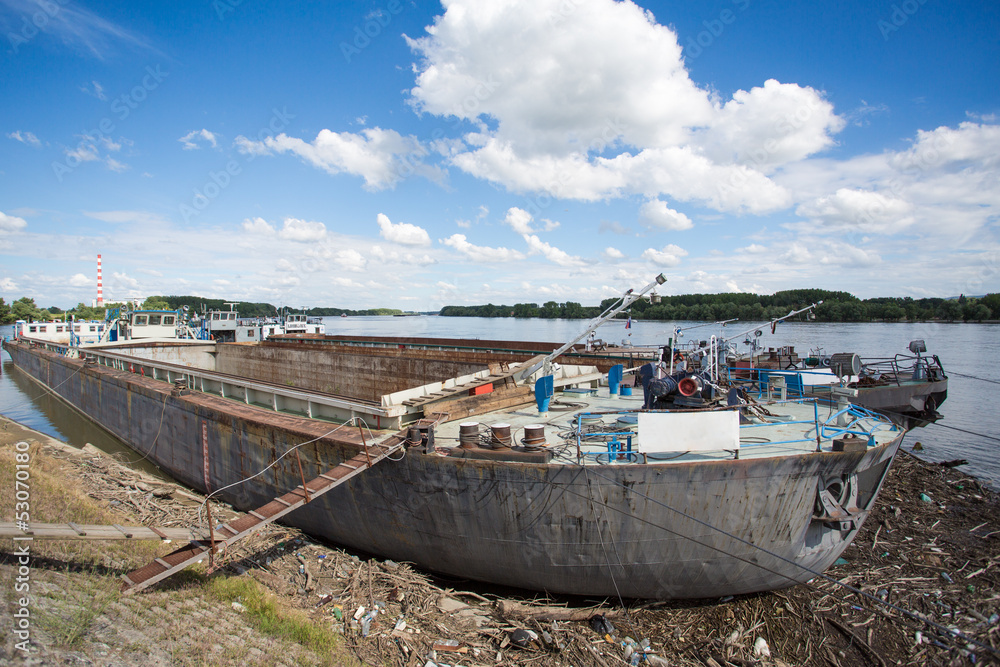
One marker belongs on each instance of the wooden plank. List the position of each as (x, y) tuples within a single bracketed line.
[(62, 531)]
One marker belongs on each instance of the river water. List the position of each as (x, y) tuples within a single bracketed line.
[(969, 429)]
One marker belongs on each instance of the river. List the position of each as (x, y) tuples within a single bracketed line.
[(969, 429)]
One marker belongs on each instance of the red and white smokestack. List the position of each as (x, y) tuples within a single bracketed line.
[(100, 284)]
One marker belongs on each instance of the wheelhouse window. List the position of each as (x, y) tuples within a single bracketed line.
[(168, 320), (140, 321), (155, 320)]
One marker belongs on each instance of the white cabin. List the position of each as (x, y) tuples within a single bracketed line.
[(152, 324), (302, 324)]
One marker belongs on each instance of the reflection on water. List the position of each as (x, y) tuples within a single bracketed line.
[(28, 403)]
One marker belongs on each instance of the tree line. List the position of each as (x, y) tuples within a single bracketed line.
[(836, 307), (26, 309)]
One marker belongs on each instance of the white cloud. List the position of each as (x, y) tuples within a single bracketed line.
[(351, 260), (302, 231), (519, 220), (669, 256), (381, 157), (613, 253), (7, 285), (656, 213), (570, 114), (257, 226), (402, 233), (95, 89), (84, 152), (80, 280), (123, 279), (130, 217), (204, 135), (11, 223), (480, 253), (25, 138), (858, 210), (115, 166), (538, 247)]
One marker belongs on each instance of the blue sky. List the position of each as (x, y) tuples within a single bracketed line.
[(415, 155)]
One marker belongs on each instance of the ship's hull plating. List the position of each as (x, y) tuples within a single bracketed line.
[(689, 530)]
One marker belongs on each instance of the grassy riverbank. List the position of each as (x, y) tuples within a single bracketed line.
[(77, 612)]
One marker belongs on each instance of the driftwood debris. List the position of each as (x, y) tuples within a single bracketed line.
[(924, 574)]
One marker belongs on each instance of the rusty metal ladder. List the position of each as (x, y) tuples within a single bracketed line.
[(246, 525)]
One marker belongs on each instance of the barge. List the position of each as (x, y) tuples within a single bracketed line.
[(533, 474)]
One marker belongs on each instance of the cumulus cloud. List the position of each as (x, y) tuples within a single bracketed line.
[(302, 231), (670, 255), (7, 285), (80, 280), (480, 253), (656, 213), (11, 223), (24, 137), (613, 253), (571, 115), (519, 220), (381, 157), (402, 233), (190, 140), (257, 226)]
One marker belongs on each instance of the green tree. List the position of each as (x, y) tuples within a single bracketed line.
[(893, 312), (156, 303), (550, 309), (25, 309), (5, 316), (525, 310), (950, 310), (976, 312), (573, 310)]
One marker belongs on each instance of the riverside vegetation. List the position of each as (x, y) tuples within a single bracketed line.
[(836, 307)]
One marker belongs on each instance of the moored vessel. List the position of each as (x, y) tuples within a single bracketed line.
[(534, 473)]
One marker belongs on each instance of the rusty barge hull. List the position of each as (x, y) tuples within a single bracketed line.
[(688, 530)]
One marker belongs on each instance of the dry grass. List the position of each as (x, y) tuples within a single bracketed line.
[(76, 602)]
